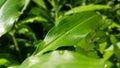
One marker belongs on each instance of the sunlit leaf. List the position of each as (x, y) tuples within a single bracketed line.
[(40, 3), (4, 61), (116, 48), (86, 8), (31, 20), (110, 51), (102, 47), (53, 2), (70, 31), (9, 13), (63, 59)]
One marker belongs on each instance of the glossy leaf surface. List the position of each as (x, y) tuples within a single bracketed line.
[(62, 59), (87, 8), (9, 13), (70, 31)]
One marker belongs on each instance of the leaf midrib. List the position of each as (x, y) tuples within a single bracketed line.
[(63, 34)]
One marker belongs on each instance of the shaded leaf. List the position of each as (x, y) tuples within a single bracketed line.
[(86, 46), (9, 13), (7, 59), (44, 14), (70, 31)]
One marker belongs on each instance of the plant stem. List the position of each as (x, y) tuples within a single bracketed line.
[(16, 44), (56, 15)]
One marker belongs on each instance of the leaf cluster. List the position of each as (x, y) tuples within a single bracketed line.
[(59, 33)]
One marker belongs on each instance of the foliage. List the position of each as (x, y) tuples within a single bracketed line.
[(59, 33)]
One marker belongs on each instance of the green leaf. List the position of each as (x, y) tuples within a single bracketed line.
[(63, 59), (7, 59), (116, 48), (44, 14), (4, 61), (1, 2), (102, 47), (32, 19), (10, 12), (70, 31), (40, 3), (86, 46), (53, 2), (15, 66), (86, 8), (108, 52)]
